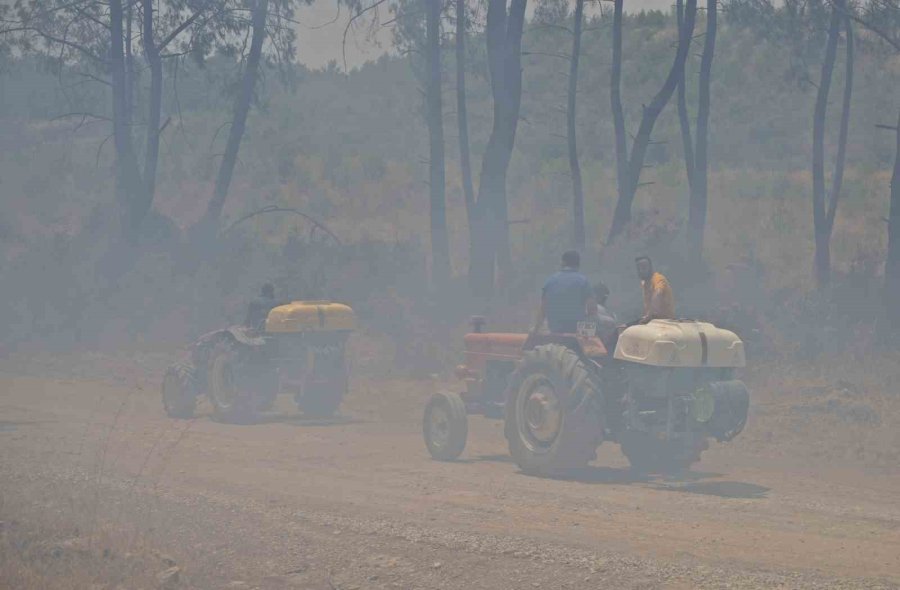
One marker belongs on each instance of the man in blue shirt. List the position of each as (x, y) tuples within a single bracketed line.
[(567, 298)]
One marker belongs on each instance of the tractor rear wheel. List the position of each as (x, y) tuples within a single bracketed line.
[(233, 402), (554, 419), (179, 391), (445, 426)]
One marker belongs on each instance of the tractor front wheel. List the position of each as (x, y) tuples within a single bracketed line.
[(445, 426), (232, 402), (179, 391)]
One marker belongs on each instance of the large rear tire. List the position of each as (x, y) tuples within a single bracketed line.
[(179, 391), (445, 426), (554, 418), (232, 400)]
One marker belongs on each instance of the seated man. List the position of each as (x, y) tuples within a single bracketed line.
[(567, 298), (258, 309), (607, 325), (659, 303)]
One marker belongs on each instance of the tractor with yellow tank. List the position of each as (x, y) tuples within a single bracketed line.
[(659, 390), (300, 350)]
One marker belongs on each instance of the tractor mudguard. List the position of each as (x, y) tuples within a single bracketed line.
[(587, 348), (238, 333)]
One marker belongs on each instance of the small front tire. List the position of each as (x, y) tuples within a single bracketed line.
[(179, 391), (445, 426), (232, 401)]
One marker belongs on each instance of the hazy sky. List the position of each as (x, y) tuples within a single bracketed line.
[(319, 42)]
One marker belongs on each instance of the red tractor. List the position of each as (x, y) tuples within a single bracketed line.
[(667, 388)]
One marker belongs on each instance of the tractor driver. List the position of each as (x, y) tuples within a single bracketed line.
[(659, 303), (259, 307), (567, 298)]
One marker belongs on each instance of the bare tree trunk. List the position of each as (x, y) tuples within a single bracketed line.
[(822, 235), (700, 177), (838, 179), (615, 94), (892, 263), (127, 174), (512, 65), (482, 248), (440, 248), (683, 118), (490, 243), (154, 107), (622, 214), (129, 61), (241, 109), (577, 191), (465, 160)]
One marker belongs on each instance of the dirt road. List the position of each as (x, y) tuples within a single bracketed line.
[(356, 502)]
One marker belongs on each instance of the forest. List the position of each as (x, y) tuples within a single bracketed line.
[(271, 314), (751, 148)]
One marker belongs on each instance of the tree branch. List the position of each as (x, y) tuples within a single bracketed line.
[(179, 29), (81, 48), (350, 22)]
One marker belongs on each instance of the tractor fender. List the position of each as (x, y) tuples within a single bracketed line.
[(235, 333), (205, 344)]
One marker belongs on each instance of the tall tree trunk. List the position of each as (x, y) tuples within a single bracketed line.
[(465, 160), (154, 103), (129, 62), (440, 248), (577, 191), (512, 64), (838, 179), (127, 174), (241, 109), (700, 177), (490, 243), (622, 214), (615, 95), (482, 250), (683, 118), (822, 235), (892, 263)]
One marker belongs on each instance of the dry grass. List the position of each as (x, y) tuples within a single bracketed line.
[(73, 536), (844, 411), (49, 557)]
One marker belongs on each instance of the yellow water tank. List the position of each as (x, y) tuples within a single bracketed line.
[(311, 316)]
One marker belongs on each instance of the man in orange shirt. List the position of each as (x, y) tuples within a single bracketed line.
[(659, 303)]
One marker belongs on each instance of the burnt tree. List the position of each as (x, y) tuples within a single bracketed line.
[(683, 118), (699, 176), (629, 166), (489, 244), (259, 12), (824, 213), (462, 118), (574, 166), (434, 113), (892, 262), (98, 39)]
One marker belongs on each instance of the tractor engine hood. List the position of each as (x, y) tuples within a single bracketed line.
[(311, 316), (680, 343)]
